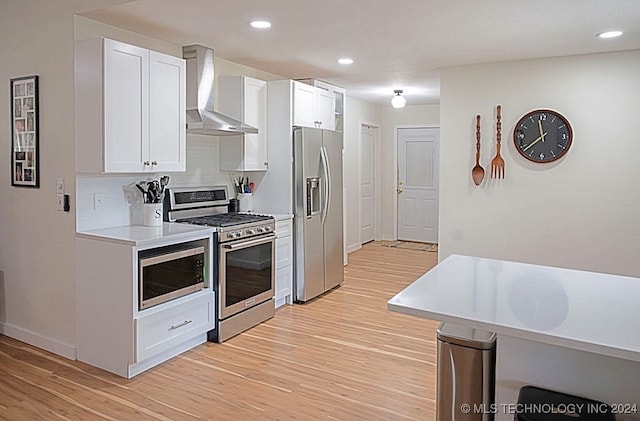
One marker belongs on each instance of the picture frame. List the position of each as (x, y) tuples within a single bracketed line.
[(25, 132)]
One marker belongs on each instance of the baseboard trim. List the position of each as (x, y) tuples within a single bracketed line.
[(48, 344), (353, 247)]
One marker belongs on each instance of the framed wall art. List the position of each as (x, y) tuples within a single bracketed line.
[(25, 159)]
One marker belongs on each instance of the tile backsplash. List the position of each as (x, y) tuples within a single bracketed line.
[(109, 200)]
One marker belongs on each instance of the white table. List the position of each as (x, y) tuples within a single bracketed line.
[(572, 331)]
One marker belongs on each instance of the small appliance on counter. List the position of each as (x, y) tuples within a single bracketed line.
[(243, 256)]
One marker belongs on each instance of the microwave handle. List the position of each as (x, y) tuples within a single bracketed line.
[(249, 243), (171, 256)]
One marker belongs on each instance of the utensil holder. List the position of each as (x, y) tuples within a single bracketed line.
[(245, 200), (152, 214)]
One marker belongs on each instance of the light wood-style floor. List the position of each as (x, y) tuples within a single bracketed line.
[(341, 357)]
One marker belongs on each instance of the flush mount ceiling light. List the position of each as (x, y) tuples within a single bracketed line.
[(609, 34), (260, 24), (398, 101), (345, 61)]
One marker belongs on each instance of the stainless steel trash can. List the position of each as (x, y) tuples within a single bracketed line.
[(466, 374)]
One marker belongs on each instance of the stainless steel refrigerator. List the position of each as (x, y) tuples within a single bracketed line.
[(317, 207)]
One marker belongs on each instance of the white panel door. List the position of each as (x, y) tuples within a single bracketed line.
[(167, 119), (304, 105), (367, 184), (255, 113), (126, 102), (418, 184), (325, 109)]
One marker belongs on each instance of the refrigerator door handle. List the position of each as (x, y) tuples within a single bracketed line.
[(327, 189)]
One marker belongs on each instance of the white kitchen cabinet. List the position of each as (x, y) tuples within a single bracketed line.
[(313, 106), (334, 94), (284, 262), (161, 331), (245, 99), (112, 333), (130, 108)]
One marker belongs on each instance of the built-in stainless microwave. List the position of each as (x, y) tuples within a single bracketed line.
[(166, 273)]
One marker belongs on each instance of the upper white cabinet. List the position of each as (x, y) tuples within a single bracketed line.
[(313, 106), (245, 99), (130, 109), (331, 103)]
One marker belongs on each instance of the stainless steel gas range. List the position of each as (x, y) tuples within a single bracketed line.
[(244, 250)]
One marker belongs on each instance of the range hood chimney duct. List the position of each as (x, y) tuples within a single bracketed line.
[(201, 117)]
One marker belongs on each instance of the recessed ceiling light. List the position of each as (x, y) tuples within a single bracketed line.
[(609, 34), (261, 24), (345, 61)]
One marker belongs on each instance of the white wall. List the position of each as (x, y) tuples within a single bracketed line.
[(37, 260), (392, 119), (579, 212), (357, 113)]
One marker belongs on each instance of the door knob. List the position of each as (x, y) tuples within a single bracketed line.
[(400, 190)]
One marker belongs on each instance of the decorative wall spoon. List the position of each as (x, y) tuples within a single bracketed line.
[(477, 173)]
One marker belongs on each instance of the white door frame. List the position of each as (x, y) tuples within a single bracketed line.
[(395, 167), (376, 178)]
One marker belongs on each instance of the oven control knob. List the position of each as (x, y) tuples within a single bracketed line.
[(262, 229), (239, 234), (267, 228), (251, 231), (231, 235)]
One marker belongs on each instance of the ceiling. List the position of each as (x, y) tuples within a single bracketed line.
[(398, 44)]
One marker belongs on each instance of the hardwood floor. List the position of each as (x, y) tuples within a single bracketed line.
[(341, 357)]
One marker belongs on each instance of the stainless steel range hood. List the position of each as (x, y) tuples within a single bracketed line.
[(201, 117)]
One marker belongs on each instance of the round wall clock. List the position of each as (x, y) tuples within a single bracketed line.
[(543, 136)]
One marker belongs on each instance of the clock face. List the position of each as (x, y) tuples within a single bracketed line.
[(543, 136)]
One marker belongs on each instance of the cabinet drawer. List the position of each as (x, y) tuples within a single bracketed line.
[(284, 228), (162, 330)]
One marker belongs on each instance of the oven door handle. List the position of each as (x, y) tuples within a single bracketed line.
[(249, 243)]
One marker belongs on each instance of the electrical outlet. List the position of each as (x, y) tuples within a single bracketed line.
[(60, 186), (60, 202), (98, 201)]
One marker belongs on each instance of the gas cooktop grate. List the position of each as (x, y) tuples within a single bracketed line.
[(226, 219)]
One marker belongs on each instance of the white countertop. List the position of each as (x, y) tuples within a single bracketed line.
[(277, 216), (139, 235), (586, 311)]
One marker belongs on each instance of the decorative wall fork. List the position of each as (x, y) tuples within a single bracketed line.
[(497, 163)]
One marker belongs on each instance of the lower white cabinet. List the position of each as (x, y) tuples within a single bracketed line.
[(284, 262), (112, 333), (161, 331)]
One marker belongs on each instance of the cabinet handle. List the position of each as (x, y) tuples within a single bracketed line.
[(186, 322), (146, 163), (154, 162)]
